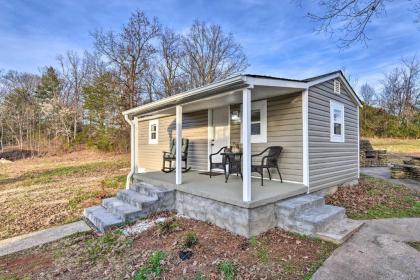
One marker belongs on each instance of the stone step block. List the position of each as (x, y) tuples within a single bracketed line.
[(101, 219), (136, 199), (125, 211), (316, 219), (340, 231), (287, 210)]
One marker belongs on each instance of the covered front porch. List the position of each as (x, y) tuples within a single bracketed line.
[(252, 114), (200, 184)]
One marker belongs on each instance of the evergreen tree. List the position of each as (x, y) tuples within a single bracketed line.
[(49, 86)]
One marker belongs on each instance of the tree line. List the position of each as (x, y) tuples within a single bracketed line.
[(81, 100), (394, 110)]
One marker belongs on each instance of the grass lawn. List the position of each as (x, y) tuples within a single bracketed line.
[(155, 254), (399, 146), (42, 192), (376, 198)]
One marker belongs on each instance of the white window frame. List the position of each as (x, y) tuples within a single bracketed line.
[(337, 86), (262, 106), (334, 137), (151, 123)]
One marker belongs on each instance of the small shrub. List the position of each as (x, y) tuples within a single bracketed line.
[(168, 226), (153, 266), (190, 240), (227, 270)]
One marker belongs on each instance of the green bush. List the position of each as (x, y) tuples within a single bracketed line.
[(190, 240), (168, 226)]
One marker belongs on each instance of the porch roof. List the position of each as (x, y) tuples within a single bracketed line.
[(231, 192), (232, 84)]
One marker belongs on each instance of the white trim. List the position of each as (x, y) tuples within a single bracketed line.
[(209, 135), (305, 140), (156, 140), (334, 137), (256, 81), (246, 145), (136, 143), (229, 144), (262, 106), (358, 144), (178, 159)]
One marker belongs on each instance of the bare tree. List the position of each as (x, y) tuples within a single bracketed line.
[(173, 80), (401, 89), (368, 94), (349, 19), (130, 51), (74, 71), (210, 54)]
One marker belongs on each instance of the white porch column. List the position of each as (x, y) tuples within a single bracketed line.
[(246, 144), (178, 170), (305, 140)]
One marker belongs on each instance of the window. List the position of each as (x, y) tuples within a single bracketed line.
[(337, 86), (336, 122), (153, 131), (258, 122)]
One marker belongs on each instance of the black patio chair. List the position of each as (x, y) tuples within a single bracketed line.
[(213, 164), (171, 156), (267, 162)]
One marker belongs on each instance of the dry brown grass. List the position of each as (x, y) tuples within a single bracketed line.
[(42, 192)]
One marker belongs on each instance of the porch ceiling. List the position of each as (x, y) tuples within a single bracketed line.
[(230, 192), (227, 98)]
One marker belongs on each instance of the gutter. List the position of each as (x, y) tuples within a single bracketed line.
[(132, 151)]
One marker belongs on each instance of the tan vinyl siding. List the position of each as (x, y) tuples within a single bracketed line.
[(330, 163), (194, 128), (284, 128)]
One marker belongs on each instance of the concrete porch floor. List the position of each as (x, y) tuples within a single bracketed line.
[(230, 192)]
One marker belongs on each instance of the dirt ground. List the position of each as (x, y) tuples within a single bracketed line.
[(41, 192), (272, 255)]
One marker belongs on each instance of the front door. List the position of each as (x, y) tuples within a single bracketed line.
[(221, 131)]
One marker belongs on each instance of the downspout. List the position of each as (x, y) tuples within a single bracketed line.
[(132, 151)]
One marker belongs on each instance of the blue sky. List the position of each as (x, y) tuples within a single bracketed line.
[(276, 36)]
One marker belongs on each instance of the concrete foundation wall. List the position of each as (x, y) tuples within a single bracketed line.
[(243, 221)]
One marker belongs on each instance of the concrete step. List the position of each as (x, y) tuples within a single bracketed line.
[(298, 204), (101, 219), (340, 231), (316, 219), (287, 210), (125, 211), (136, 199), (149, 190)]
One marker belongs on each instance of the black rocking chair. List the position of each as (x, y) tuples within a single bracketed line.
[(171, 156), (267, 162), (214, 165)]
